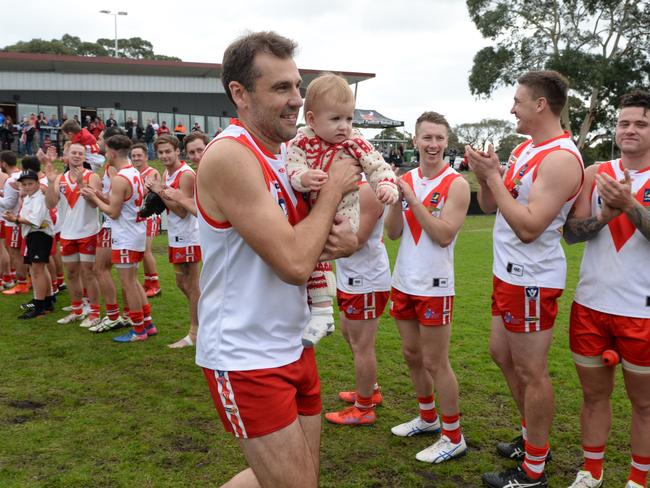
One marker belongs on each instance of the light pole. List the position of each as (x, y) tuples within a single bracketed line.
[(114, 14)]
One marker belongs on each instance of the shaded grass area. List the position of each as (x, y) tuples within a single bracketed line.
[(77, 410)]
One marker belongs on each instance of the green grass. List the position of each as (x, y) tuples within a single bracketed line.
[(77, 410)]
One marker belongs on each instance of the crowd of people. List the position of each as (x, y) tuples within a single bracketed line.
[(69, 229), (267, 217)]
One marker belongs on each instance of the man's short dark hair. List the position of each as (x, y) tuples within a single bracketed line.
[(72, 126), (196, 135), (119, 143), (9, 158), (141, 146), (636, 98), (112, 131), (166, 139), (31, 162), (434, 118), (548, 84), (238, 58)]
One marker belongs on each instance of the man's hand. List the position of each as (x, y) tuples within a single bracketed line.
[(341, 242), (89, 194), (9, 217), (314, 179), (76, 175), (154, 185), (407, 192), (616, 194), (171, 194), (608, 213), (484, 164), (344, 174)]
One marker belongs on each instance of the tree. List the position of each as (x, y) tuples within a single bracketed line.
[(132, 48), (477, 134), (601, 46), (392, 134), (507, 144)]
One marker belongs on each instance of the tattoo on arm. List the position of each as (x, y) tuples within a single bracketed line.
[(640, 217), (580, 230)]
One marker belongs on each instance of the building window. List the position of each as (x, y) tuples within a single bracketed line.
[(70, 112), (134, 116), (200, 119), (149, 116), (213, 123), (26, 110)]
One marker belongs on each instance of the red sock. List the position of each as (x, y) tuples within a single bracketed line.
[(136, 318), (363, 403), (535, 460), (451, 427), (146, 314), (154, 281), (113, 311), (594, 458), (94, 311), (428, 411), (127, 312), (6, 278), (77, 307), (84, 293), (12, 274), (59, 280), (22, 281), (147, 280), (639, 469), (55, 286)]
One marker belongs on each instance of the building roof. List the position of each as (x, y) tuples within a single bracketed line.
[(54, 63)]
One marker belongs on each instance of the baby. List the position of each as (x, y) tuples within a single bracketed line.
[(329, 136)]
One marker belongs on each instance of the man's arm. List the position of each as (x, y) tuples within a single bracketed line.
[(618, 194), (231, 187), (186, 187), (443, 229), (9, 198), (485, 197), (174, 195), (581, 225), (370, 211), (558, 178), (96, 185), (120, 189)]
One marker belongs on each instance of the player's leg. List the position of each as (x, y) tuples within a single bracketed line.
[(134, 300), (501, 355), (72, 267), (90, 283), (187, 280), (637, 384)]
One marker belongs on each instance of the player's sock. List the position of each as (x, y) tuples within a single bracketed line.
[(639, 469), (77, 307), (113, 311), (428, 411), (94, 311), (451, 427), (127, 312), (594, 459), (136, 318), (535, 460), (12, 274), (147, 280), (363, 403), (154, 281), (84, 294), (60, 279), (55, 286), (146, 314), (6, 278)]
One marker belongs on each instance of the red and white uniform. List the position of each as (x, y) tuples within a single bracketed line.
[(128, 231), (104, 235), (78, 218), (612, 275), (182, 232), (249, 318), (423, 267), (11, 201), (88, 141), (540, 263), (363, 279), (153, 222)]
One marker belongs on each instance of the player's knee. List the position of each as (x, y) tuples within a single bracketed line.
[(500, 355), (640, 403), (412, 356)]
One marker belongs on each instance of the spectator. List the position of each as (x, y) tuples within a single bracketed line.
[(163, 129), (87, 121), (133, 130), (96, 127), (396, 158), (180, 129), (27, 131), (2, 116), (149, 137), (41, 126), (110, 121), (197, 127), (6, 133), (64, 117)]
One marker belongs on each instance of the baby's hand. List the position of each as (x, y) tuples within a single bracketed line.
[(387, 195), (314, 179)]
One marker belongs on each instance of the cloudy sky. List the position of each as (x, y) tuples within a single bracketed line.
[(420, 50)]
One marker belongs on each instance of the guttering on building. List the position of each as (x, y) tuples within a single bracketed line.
[(167, 91)]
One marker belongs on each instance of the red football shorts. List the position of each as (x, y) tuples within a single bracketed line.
[(362, 306), (13, 237), (430, 311), (104, 238), (591, 333), (524, 308), (261, 401), (189, 254), (153, 226), (85, 245), (126, 256)]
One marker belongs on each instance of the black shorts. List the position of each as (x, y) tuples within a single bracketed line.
[(39, 245)]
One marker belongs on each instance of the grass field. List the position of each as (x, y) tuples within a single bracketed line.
[(77, 410)]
